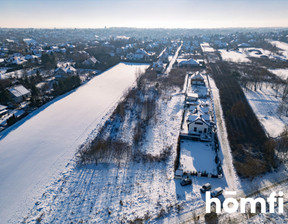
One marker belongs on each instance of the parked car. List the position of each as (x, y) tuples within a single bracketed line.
[(218, 191), (205, 187), (186, 181), (219, 170)]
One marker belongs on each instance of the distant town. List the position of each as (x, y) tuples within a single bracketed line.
[(37, 65)]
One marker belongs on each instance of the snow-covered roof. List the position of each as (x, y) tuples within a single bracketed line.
[(199, 118), (91, 60), (244, 45), (2, 107), (194, 95), (197, 76), (141, 51), (29, 56), (122, 38), (10, 41), (190, 61), (203, 110), (67, 69), (206, 117), (18, 91), (29, 41), (193, 117)]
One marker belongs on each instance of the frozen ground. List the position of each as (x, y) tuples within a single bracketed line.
[(234, 56), (265, 104), (127, 192), (243, 54), (197, 156), (109, 193), (206, 47), (281, 73), (283, 46), (37, 149)]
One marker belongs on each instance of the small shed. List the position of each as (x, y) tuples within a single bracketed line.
[(19, 93), (178, 174)]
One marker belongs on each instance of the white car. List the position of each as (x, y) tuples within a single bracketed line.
[(218, 191), (205, 187)]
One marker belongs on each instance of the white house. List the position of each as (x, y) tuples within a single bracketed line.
[(19, 93), (199, 123), (188, 63), (199, 126), (90, 61), (197, 79), (64, 71), (16, 59), (140, 54)]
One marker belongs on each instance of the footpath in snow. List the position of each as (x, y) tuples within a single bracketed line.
[(37, 149)]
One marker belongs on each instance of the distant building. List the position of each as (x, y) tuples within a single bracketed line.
[(188, 63), (244, 45), (140, 54), (29, 41), (3, 110), (158, 66), (19, 93), (91, 61), (16, 59), (197, 79), (64, 71)]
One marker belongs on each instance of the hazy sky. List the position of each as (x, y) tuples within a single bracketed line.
[(143, 13)]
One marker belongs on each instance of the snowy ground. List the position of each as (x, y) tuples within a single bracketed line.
[(206, 47), (109, 193), (281, 73), (197, 156), (234, 56), (260, 52), (37, 149), (243, 54), (283, 46), (265, 104)]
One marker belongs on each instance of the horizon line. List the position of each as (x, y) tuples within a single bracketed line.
[(164, 28)]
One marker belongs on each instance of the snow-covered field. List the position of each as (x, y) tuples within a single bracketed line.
[(255, 52), (115, 193), (265, 104), (234, 56), (37, 149), (109, 193), (127, 192), (197, 156), (281, 73), (283, 46), (243, 54), (206, 47)]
